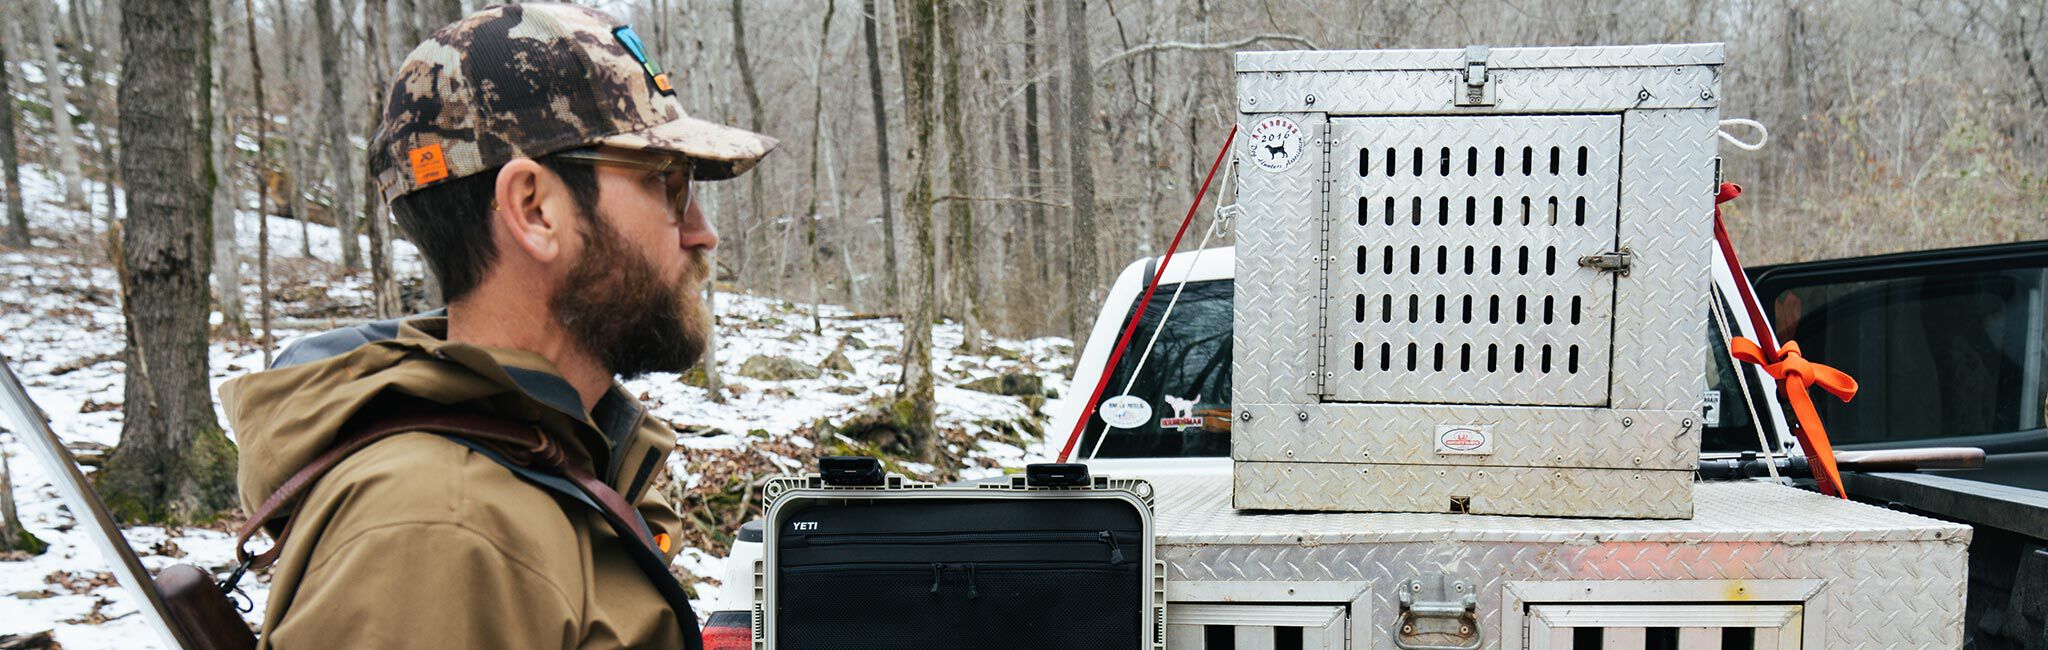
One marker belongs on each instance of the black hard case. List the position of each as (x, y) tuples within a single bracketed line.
[(996, 565)]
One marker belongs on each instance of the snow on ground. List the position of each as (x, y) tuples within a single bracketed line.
[(61, 329)]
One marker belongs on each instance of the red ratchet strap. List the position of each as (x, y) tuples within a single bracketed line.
[(1088, 412), (1795, 375)]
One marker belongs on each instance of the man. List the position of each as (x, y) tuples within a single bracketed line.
[(540, 162)]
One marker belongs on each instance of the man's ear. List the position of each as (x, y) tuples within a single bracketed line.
[(520, 210)]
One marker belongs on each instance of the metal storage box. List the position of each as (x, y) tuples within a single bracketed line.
[(1783, 567), (1001, 564), (1474, 280)]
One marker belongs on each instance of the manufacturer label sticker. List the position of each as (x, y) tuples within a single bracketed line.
[(1710, 411), (1276, 142), (1124, 412), (1464, 439)]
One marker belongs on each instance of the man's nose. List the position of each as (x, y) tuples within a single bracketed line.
[(697, 231)]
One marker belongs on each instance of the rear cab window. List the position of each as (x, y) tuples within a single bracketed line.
[(1185, 378)]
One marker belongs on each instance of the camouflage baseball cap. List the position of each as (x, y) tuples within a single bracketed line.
[(534, 79)]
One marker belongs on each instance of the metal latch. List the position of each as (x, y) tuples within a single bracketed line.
[(1477, 89), (1615, 261), (1438, 614)]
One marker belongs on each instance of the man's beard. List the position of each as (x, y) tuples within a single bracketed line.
[(615, 305)]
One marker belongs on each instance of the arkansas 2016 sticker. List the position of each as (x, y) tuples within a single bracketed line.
[(1276, 142), (1464, 439)]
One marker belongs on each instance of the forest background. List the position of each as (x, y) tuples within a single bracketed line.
[(980, 163)]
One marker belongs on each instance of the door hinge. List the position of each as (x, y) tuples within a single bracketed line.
[(1476, 88), (1615, 261)]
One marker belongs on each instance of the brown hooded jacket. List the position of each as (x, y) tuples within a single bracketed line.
[(419, 540)]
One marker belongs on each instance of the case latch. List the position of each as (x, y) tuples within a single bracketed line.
[(1438, 614), (1617, 262), (1477, 86)]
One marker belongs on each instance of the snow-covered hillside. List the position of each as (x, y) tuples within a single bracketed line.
[(61, 328)]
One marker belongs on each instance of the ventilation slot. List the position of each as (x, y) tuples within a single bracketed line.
[(1206, 626), (1465, 279), (1634, 627)]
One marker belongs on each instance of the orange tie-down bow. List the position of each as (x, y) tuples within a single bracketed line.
[(1795, 376)]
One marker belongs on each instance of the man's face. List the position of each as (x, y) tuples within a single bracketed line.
[(630, 297)]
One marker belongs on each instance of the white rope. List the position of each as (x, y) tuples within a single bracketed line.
[(1756, 419), (1763, 135)]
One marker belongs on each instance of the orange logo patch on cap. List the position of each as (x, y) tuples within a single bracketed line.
[(428, 165), (661, 83)]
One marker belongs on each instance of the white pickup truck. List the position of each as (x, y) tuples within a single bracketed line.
[(1409, 215), (1761, 564)]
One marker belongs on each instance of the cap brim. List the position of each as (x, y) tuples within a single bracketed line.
[(721, 151)]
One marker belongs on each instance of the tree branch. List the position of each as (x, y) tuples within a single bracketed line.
[(1004, 103), (1201, 47), (997, 199)]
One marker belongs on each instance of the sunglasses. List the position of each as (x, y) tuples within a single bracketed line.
[(674, 170)]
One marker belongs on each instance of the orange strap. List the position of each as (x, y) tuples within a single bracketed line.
[(1797, 375)]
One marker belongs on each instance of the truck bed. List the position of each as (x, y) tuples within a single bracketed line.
[(1867, 577)]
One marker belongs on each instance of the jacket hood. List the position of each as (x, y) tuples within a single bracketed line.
[(285, 416)]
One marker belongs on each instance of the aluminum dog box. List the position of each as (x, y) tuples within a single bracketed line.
[(1473, 280)]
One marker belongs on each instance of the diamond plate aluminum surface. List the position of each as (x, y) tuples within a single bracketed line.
[(1889, 579), (1667, 207), (1298, 318), (1516, 91), (1382, 487), (1454, 243), (1619, 56), (1277, 274), (1526, 437)]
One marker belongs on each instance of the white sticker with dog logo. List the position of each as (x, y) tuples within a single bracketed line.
[(1464, 439), (1276, 142), (1183, 413)]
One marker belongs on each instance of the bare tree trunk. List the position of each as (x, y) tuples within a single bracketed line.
[(298, 160), (714, 383), (810, 215), (376, 64), (435, 14), (755, 203), (262, 177), (1081, 265), (918, 36), (13, 537), (1034, 227), (227, 259), (10, 159), (95, 104), (891, 277), (333, 115), (43, 22), (173, 463), (850, 289), (960, 227)]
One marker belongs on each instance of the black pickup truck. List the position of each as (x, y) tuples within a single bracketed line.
[(1951, 349)]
